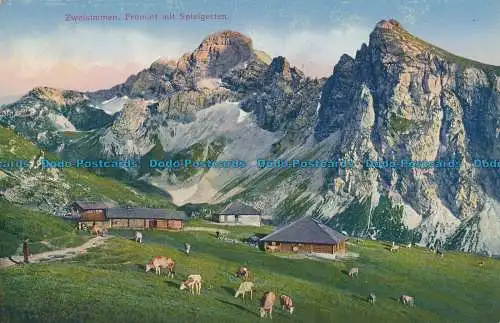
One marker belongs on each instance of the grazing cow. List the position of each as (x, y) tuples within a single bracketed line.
[(272, 248), (243, 273), (192, 282), (96, 230), (187, 247), (267, 303), (138, 236), (394, 248), (481, 264), (287, 303), (353, 271), (244, 288), (405, 299), (161, 262), (409, 245), (372, 298)]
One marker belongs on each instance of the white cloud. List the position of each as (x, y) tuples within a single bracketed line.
[(317, 51), (89, 57), (91, 46)]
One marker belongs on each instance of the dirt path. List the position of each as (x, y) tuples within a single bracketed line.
[(206, 229), (54, 254)]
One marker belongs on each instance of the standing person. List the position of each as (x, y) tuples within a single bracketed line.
[(188, 247), (25, 250)]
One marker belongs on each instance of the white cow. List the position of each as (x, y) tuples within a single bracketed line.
[(138, 237), (405, 299), (192, 282), (372, 298), (354, 272), (244, 288), (394, 248)]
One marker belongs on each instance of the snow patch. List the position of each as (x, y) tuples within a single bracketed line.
[(246, 141), (489, 228), (438, 226), (319, 103), (243, 115), (113, 105), (61, 123), (411, 218)]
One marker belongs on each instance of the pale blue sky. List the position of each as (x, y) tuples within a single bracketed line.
[(44, 49)]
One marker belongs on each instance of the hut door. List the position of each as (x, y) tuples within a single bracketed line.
[(152, 223)]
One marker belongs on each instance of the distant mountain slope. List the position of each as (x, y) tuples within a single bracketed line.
[(50, 189), (398, 98), (45, 114)]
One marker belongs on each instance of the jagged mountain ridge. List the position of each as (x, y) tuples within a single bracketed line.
[(399, 97)]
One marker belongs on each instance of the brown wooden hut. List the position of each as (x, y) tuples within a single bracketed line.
[(305, 235), (90, 213), (145, 218)]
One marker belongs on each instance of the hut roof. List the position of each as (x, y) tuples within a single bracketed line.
[(87, 205), (144, 213), (306, 230), (238, 208)]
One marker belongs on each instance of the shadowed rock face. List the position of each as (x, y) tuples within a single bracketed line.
[(402, 98)]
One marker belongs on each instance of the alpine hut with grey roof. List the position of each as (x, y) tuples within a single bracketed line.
[(238, 213), (305, 235)]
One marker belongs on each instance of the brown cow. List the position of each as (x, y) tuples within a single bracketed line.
[(287, 303), (266, 304), (272, 248), (161, 262), (243, 273), (96, 230)]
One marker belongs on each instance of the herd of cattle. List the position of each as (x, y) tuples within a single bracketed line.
[(193, 282)]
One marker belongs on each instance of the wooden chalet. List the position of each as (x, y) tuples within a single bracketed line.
[(89, 213), (107, 216), (305, 235)]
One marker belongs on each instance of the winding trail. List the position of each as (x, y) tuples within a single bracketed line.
[(205, 229), (65, 253)]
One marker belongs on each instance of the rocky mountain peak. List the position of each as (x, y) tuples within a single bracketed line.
[(217, 54), (389, 36), (388, 24), (60, 97), (280, 68)]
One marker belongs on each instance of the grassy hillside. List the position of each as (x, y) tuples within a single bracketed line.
[(109, 284), (70, 182), (17, 222)]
